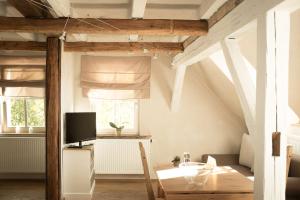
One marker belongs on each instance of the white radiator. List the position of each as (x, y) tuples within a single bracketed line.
[(22, 155), (120, 156)]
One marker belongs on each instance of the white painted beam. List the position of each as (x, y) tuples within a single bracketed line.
[(273, 59), (137, 11), (208, 8), (138, 8), (241, 18), (61, 7), (243, 83), (177, 88)]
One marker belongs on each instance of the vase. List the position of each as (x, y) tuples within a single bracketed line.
[(118, 131)]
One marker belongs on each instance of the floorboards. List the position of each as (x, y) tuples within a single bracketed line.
[(104, 190), (22, 190)]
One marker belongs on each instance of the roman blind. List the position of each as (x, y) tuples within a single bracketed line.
[(115, 77), (22, 81)]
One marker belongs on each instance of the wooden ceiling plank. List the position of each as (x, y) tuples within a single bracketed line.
[(136, 47), (105, 26)]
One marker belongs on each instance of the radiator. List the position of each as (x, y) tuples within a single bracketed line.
[(120, 156), (22, 155)]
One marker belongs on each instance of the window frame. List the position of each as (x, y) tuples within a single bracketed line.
[(22, 130), (125, 131)]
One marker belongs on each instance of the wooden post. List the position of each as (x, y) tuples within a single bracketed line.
[(273, 54), (53, 119)]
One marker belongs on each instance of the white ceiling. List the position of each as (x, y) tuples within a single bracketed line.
[(118, 9), (155, 9)]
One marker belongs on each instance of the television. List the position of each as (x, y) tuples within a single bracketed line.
[(80, 126)]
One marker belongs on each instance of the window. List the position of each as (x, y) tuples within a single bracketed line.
[(120, 112), (23, 113)]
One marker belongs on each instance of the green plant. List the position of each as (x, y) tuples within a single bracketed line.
[(113, 125), (176, 159)]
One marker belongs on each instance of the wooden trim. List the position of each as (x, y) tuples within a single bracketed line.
[(21, 83), (110, 136), (23, 45), (136, 47), (96, 26), (53, 78)]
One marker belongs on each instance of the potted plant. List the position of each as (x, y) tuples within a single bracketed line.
[(118, 128), (176, 161)]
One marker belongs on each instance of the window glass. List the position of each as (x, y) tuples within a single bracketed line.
[(35, 112), (15, 112), (120, 112)]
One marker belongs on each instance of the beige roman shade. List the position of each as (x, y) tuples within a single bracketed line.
[(22, 81), (115, 77)]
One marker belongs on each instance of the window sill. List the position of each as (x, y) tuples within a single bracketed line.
[(123, 136), (25, 135)]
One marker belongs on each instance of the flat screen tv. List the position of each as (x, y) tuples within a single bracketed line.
[(80, 126)]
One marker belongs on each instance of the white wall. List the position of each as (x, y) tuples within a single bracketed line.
[(203, 124), (67, 96)]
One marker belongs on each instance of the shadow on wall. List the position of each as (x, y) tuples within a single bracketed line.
[(162, 75)]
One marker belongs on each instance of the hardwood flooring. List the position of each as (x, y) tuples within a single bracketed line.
[(22, 190), (124, 190), (104, 190)]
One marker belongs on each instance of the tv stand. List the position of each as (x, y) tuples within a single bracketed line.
[(77, 147), (78, 172)]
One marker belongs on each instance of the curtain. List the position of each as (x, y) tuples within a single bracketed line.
[(115, 77), (17, 74)]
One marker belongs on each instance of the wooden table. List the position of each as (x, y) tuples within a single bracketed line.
[(224, 183)]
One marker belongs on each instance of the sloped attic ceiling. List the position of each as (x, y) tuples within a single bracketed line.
[(224, 88)]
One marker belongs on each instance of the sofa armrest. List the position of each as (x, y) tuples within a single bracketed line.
[(292, 187), (295, 166), (223, 159)]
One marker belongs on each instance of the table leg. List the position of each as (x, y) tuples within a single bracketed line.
[(160, 191)]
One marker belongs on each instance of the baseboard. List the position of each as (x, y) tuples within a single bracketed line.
[(30, 176)]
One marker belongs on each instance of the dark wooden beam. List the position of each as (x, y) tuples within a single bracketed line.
[(53, 77), (32, 9), (136, 47), (226, 8), (223, 11), (23, 46), (18, 83), (105, 26)]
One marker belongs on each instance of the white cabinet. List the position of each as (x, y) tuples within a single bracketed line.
[(78, 173)]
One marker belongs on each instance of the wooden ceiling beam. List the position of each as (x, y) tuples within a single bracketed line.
[(136, 47), (22, 83), (23, 45), (226, 8), (32, 9), (105, 26)]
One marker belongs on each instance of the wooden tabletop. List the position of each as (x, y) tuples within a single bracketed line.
[(223, 180)]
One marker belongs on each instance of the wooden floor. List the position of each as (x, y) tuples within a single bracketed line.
[(104, 190), (22, 190)]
